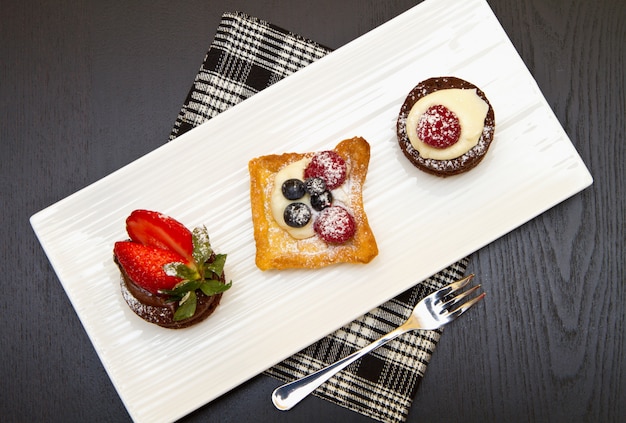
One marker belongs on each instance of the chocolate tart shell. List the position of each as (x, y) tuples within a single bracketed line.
[(155, 309), (444, 167)]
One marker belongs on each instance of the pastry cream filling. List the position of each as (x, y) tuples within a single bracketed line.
[(278, 202), (470, 109)]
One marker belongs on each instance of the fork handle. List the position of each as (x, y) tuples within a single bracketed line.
[(290, 394)]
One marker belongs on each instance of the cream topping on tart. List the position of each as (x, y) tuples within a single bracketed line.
[(279, 202), (311, 189), (468, 108)]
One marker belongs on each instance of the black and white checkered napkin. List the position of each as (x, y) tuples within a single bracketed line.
[(246, 56)]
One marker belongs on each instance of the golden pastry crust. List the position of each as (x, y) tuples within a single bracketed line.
[(276, 249)]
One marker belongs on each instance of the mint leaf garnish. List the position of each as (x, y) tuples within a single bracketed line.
[(202, 250), (217, 265), (181, 289), (203, 274), (213, 287), (187, 307), (181, 270)]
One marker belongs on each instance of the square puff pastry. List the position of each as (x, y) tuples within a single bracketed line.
[(276, 249)]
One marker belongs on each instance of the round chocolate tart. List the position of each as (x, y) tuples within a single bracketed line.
[(155, 308), (455, 165)]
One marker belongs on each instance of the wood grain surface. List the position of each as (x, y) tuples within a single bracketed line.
[(87, 87)]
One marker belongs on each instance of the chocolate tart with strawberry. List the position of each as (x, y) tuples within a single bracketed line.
[(170, 275), (445, 126), (307, 208)]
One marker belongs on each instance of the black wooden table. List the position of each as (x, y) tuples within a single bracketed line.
[(80, 79)]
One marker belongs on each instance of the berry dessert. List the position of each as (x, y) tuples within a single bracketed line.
[(170, 275), (445, 126), (307, 209)]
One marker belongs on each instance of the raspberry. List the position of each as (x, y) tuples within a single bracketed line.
[(335, 225), (329, 166), (439, 127)]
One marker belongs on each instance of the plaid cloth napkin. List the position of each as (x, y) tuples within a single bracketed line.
[(246, 56)]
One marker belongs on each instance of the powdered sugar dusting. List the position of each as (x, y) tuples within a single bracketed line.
[(150, 313)]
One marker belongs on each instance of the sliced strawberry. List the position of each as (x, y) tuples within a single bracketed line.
[(439, 127), (144, 265), (329, 166), (158, 230), (335, 225)]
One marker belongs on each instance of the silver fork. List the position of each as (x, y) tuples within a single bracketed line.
[(432, 312)]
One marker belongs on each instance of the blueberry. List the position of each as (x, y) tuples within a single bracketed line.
[(315, 186), (320, 201), (297, 215), (293, 189)]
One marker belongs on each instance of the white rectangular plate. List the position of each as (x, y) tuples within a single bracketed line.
[(422, 223)]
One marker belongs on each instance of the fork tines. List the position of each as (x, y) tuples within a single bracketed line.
[(449, 303)]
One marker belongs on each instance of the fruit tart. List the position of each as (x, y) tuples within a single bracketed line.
[(445, 126), (307, 208), (170, 275)]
